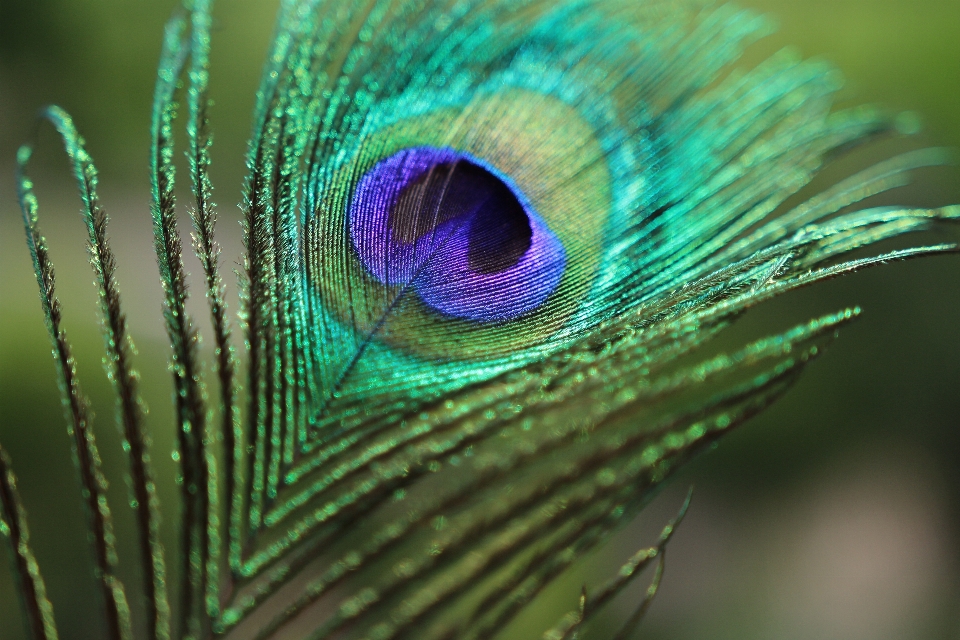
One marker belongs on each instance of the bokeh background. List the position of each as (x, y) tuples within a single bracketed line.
[(834, 516)]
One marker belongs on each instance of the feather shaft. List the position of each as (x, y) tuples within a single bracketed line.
[(591, 603), (125, 380), (13, 526), (208, 251), (86, 457), (194, 480)]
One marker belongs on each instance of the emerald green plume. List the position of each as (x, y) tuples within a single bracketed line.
[(485, 243)]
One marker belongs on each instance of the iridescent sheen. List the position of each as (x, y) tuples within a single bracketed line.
[(485, 243), (445, 224)]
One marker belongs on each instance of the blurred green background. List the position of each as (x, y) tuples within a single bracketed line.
[(835, 515)]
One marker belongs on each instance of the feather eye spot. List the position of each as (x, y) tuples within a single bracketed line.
[(458, 234), (530, 264)]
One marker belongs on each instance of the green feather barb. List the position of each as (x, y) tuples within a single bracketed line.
[(485, 245)]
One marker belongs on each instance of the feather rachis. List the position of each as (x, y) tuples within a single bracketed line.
[(32, 589), (79, 420), (365, 402)]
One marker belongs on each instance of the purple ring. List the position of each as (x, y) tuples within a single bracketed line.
[(452, 228)]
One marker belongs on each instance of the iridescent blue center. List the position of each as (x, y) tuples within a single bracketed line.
[(446, 225)]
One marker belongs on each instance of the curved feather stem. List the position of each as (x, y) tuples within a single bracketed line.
[(31, 588), (194, 462), (630, 626), (591, 603), (92, 481), (125, 380), (208, 251)]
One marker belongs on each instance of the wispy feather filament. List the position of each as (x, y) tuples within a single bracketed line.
[(485, 242)]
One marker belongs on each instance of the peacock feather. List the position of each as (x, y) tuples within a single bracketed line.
[(486, 245)]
